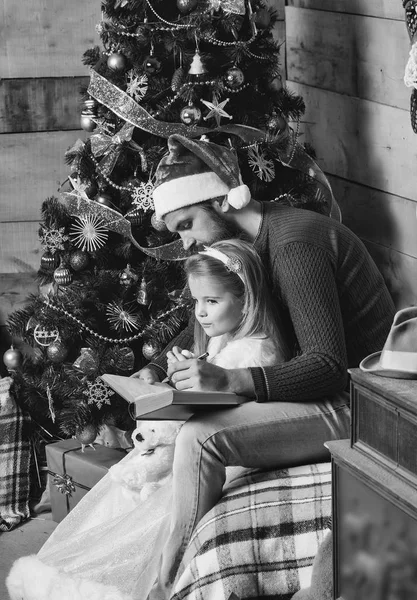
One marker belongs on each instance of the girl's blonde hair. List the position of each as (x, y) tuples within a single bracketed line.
[(259, 315)]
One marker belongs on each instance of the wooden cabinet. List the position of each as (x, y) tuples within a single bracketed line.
[(375, 493)]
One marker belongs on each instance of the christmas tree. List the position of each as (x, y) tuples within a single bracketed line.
[(107, 300)]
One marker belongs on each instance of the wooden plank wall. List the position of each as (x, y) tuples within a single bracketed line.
[(347, 59), (41, 70)]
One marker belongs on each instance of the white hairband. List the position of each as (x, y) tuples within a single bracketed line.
[(232, 263)]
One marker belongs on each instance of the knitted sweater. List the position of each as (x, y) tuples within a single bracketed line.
[(330, 289)]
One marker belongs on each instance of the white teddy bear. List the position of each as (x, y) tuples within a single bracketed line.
[(150, 463)]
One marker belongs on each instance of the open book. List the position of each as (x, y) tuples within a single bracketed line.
[(163, 402)]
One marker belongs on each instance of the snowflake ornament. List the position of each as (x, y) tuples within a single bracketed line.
[(216, 110), (98, 393), (142, 195), (262, 166), (137, 86), (120, 318), (89, 233), (53, 240)]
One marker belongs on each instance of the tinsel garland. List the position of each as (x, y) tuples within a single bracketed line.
[(140, 334)]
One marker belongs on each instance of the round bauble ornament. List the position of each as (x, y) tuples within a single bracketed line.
[(104, 198), (87, 434), (49, 261), (158, 224), (79, 260), (186, 6), (87, 121), (13, 359), (276, 123), (62, 275), (190, 115), (57, 352), (152, 65), (117, 62), (234, 78), (150, 349), (262, 18)]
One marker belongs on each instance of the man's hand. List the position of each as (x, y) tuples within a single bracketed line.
[(199, 375), (175, 355), (147, 374)]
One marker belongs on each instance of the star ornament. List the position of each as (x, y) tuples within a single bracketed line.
[(121, 318), (89, 232), (262, 166), (216, 110)]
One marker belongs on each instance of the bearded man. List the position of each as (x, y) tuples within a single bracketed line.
[(338, 310)]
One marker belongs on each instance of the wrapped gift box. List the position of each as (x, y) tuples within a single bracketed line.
[(73, 471)]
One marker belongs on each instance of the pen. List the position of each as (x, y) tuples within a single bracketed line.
[(201, 357)]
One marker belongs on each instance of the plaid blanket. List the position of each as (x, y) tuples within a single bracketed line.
[(14, 460), (260, 540)]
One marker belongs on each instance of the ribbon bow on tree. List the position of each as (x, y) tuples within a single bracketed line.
[(110, 146), (235, 7)]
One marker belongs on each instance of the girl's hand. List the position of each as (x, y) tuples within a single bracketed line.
[(147, 374)]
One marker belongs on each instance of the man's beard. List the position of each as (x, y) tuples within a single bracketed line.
[(221, 230)]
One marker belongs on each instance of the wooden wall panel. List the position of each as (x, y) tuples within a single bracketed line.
[(349, 54), (279, 32), (14, 291), (363, 141), (39, 38), (32, 166), (20, 250), (42, 104), (378, 217), (399, 271), (388, 9)]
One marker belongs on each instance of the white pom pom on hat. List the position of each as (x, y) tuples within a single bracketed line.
[(194, 171)]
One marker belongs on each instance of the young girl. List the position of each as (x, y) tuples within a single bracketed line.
[(235, 323), (110, 544)]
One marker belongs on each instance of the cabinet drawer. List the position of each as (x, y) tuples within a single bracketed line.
[(374, 529), (384, 425)]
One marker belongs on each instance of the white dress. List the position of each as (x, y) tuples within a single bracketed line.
[(110, 544)]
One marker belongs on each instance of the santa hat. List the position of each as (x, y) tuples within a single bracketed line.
[(194, 171)]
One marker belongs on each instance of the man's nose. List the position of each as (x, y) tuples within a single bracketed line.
[(188, 243)]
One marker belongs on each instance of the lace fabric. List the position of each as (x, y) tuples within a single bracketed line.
[(109, 538)]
